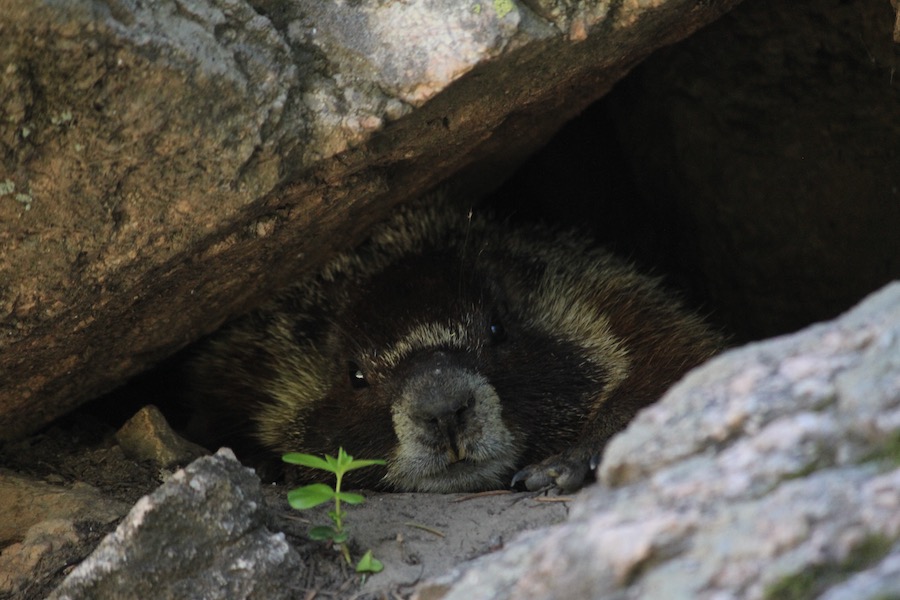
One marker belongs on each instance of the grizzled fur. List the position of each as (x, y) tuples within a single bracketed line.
[(461, 350)]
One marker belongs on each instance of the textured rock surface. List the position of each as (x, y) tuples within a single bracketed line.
[(164, 164), (200, 535), (42, 528), (148, 436), (773, 469)]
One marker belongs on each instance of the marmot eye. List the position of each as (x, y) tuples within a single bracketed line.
[(497, 331), (357, 377)]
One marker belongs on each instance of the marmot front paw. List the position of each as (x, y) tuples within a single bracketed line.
[(562, 471)]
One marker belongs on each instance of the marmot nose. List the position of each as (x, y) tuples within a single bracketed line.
[(436, 405), (443, 416), (440, 390)]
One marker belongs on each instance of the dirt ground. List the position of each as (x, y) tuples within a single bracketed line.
[(416, 536)]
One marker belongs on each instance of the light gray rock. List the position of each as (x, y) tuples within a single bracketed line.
[(200, 535), (772, 469), (882, 581)]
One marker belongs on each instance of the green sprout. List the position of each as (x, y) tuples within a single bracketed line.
[(315, 494)]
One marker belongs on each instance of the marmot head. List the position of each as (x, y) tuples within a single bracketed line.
[(427, 364)]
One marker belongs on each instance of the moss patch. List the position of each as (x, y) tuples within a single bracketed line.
[(888, 452), (811, 582)]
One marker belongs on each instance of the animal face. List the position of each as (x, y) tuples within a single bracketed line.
[(411, 357), (450, 430), (433, 370)]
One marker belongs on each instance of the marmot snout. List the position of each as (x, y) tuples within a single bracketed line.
[(461, 350)]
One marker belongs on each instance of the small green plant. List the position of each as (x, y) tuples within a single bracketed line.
[(315, 494)]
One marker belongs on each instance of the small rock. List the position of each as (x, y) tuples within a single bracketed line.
[(42, 527), (20, 561), (148, 436), (199, 535), (25, 502)]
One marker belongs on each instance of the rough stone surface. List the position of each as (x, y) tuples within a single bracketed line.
[(27, 502), (772, 469), (148, 436), (200, 535), (164, 165), (42, 527)]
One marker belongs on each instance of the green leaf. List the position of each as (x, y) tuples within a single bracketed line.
[(334, 464), (340, 538), (350, 498), (359, 464), (334, 515), (308, 460), (343, 458), (322, 532), (310, 495), (369, 564)]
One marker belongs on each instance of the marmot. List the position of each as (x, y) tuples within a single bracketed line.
[(465, 352)]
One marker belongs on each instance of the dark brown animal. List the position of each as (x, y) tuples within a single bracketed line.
[(461, 350)]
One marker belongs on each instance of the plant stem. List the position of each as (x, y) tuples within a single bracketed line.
[(338, 520)]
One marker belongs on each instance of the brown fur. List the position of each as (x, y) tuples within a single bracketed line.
[(460, 350)]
